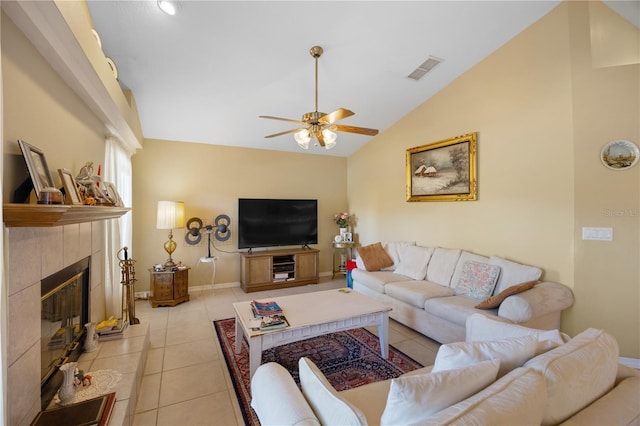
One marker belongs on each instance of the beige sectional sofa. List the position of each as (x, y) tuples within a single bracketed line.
[(421, 284), (527, 378)]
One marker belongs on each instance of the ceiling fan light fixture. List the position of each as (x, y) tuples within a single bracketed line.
[(329, 138), (302, 138), (170, 7)]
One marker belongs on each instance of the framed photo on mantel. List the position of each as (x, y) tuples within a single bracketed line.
[(443, 171), (37, 167), (73, 195)]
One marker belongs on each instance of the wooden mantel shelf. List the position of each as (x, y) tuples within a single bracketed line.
[(40, 215)]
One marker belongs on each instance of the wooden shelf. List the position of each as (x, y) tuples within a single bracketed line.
[(41, 215)]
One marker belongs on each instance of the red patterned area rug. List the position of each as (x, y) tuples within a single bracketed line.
[(348, 359)]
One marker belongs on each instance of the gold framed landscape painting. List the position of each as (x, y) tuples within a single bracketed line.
[(443, 171)]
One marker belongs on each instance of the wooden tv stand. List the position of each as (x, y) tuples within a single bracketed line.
[(268, 270)]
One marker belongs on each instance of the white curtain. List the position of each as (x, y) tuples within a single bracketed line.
[(118, 232)]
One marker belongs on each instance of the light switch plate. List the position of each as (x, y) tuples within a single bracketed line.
[(597, 234)]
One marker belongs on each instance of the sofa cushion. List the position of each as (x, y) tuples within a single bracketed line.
[(477, 280), (512, 273), (442, 264), (374, 257), (619, 406), (376, 281), (517, 398), (326, 403), (415, 293), (393, 250), (414, 261), (511, 352), (413, 399), (494, 301), (369, 399), (465, 256), (577, 373), (455, 309), (481, 328)]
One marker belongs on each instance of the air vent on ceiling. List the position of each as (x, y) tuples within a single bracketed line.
[(426, 66)]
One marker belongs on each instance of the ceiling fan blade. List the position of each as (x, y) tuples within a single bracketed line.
[(285, 132), (320, 138), (336, 115), (282, 119), (354, 129)]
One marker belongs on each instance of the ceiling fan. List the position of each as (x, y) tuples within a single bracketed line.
[(320, 125)]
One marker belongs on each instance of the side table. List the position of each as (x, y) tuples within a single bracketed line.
[(342, 252), (169, 287)]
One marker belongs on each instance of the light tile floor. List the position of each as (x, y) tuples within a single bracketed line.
[(186, 380)]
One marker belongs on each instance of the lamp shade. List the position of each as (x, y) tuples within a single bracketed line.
[(329, 138), (302, 138), (170, 215)]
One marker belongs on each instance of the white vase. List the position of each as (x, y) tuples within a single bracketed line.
[(342, 232), (91, 340), (67, 391)]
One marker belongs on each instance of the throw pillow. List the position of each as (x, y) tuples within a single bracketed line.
[(323, 398), (494, 301), (465, 257), (414, 261), (481, 328), (518, 398), (374, 257), (413, 399), (477, 280), (513, 273), (511, 352)]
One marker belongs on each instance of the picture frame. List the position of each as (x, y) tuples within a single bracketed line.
[(348, 237), (37, 167), (72, 192), (112, 194), (443, 171), (620, 154)]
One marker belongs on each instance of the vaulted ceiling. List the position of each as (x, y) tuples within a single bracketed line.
[(205, 74)]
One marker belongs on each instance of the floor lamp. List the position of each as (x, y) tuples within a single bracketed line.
[(170, 216)]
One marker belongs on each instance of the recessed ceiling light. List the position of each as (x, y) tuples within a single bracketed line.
[(170, 7)]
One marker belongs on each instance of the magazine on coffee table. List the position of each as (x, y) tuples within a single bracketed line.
[(269, 323), (261, 309)]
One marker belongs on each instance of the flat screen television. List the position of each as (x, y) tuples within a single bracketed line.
[(276, 222)]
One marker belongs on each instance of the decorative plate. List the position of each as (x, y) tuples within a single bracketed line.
[(113, 67), (95, 34), (620, 155)]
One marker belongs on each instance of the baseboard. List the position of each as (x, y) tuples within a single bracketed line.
[(214, 286), (630, 362)]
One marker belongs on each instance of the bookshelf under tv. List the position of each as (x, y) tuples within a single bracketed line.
[(273, 269)]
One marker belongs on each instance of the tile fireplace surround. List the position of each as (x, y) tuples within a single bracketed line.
[(33, 254)]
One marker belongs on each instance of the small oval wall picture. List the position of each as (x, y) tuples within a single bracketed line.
[(620, 155)]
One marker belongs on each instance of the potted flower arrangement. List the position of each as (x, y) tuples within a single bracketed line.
[(341, 219)]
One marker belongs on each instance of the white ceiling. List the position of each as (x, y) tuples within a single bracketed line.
[(207, 73)]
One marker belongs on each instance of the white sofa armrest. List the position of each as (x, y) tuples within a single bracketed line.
[(277, 400), (545, 298)]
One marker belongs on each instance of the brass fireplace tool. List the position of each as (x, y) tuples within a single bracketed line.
[(128, 281)]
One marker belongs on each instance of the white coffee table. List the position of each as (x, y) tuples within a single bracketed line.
[(311, 315)]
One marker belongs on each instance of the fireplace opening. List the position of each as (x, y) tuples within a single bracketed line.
[(65, 310)]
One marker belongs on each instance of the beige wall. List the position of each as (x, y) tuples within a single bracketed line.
[(542, 114), (42, 110), (605, 107), (210, 179)]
